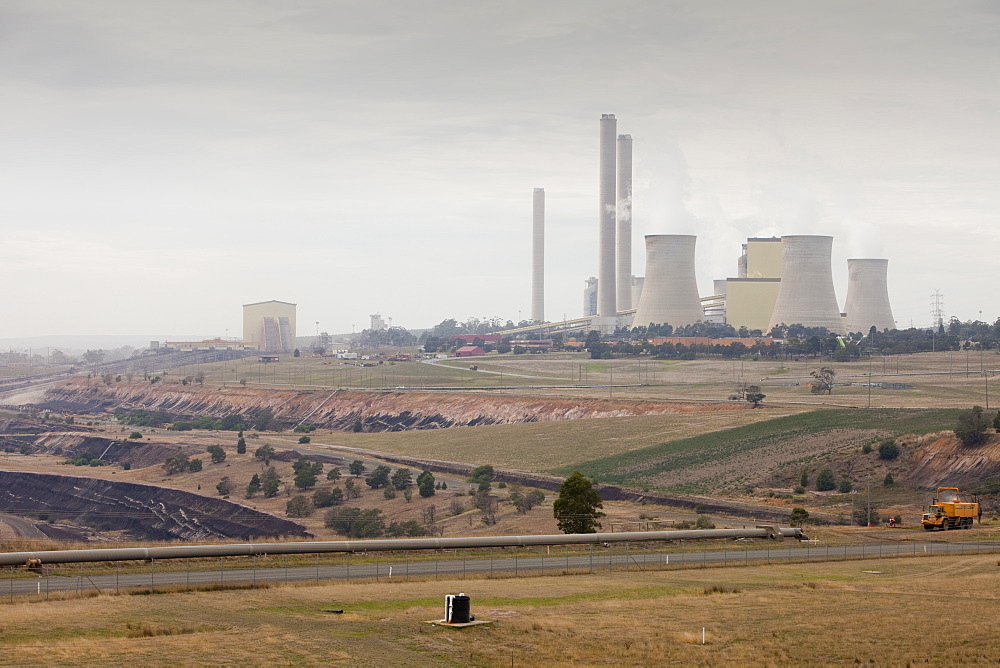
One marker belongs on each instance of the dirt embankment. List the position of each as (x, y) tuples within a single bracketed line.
[(136, 454), (945, 462), (146, 512), (377, 410)]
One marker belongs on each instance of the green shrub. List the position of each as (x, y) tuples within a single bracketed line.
[(825, 481), (888, 450)]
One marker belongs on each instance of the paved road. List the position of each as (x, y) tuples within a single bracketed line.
[(505, 562), (22, 527)]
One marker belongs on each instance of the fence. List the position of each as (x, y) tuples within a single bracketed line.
[(250, 571)]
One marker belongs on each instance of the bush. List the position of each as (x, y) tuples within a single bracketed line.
[(971, 427), (356, 523), (217, 452), (304, 439), (825, 480), (799, 517), (324, 499), (799, 489), (134, 435), (845, 486), (704, 522), (866, 449), (299, 506), (888, 481), (861, 516), (888, 450)]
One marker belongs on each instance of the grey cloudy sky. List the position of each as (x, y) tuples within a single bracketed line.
[(163, 163)]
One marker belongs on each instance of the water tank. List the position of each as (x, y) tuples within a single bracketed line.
[(868, 296), (806, 295), (670, 289), (457, 609)]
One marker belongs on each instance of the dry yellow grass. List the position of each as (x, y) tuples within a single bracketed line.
[(835, 613)]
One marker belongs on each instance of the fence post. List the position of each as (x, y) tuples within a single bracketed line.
[(591, 558)]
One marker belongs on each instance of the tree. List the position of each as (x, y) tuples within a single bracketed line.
[(296, 353), (845, 486), (425, 484), (217, 452), (822, 380), (996, 422), (304, 439), (865, 515), (888, 450), (264, 453), (134, 436), (225, 486), (754, 395), (323, 498), (825, 480), (484, 473), (194, 465), (299, 506), (971, 427), (356, 523), (357, 426), (357, 468), (270, 483), (523, 502), (799, 517), (402, 479), (379, 477), (576, 509), (253, 486), (333, 474), (804, 478), (353, 489), (888, 481), (306, 473), (241, 445), (176, 464)]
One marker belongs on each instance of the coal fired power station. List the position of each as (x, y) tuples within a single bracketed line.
[(780, 281)]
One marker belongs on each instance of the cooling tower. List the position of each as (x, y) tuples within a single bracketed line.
[(606, 294), (806, 294), (868, 296), (624, 230), (670, 291), (538, 255)]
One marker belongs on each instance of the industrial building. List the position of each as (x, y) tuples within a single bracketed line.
[(269, 326), (786, 280)]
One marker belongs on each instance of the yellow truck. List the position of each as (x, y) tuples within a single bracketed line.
[(948, 511)]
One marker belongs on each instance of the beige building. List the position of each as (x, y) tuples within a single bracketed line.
[(750, 302), (750, 298), (270, 326)]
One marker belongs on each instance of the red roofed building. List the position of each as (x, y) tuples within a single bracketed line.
[(470, 351)]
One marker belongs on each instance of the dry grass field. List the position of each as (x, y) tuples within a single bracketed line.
[(946, 379), (934, 611)]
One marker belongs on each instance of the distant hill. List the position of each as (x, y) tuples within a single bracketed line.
[(78, 343)]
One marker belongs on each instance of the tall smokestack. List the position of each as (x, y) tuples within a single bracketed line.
[(624, 210), (806, 294), (670, 292), (538, 255), (606, 293), (868, 296)]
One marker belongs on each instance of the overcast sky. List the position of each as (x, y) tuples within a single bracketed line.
[(162, 163)]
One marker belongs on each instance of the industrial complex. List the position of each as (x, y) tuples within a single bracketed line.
[(779, 281)]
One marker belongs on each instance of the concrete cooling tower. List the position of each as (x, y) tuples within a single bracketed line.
[(670, 290), (868, 296), (806, 294)]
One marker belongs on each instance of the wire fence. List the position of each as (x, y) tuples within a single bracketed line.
[(239, 572)]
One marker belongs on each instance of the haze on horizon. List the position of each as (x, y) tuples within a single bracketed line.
[(164, 163)]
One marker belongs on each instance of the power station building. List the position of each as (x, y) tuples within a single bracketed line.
[(786, 280), (270, 326)]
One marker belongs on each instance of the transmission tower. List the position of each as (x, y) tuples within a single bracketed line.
[(937, 310)]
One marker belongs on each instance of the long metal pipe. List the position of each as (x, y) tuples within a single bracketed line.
[(391, 545)]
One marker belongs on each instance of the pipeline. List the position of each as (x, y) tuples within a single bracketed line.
[(386, 545)]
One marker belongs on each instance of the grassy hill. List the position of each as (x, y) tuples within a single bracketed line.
[(733, 458)]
